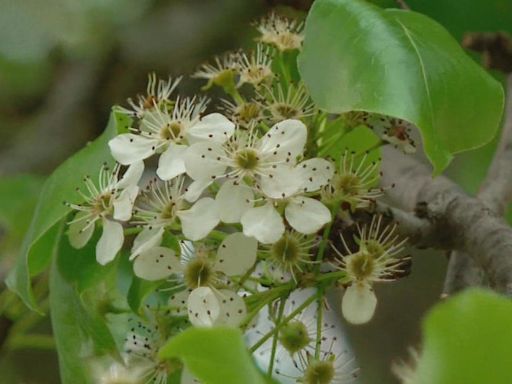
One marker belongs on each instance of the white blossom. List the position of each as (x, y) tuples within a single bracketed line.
[(161, 206), (268, 160), (376, 260), (203, 274), (303, 213), (109, 201), (169, 134)]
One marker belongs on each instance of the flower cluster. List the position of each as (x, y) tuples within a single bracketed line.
[(233, 225)]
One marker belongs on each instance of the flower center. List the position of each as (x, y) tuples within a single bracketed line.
[(169, 211), (286, 250), (102, 204), (348, 184), (294, 336), (361, 265), (319, 372), (374, 248), (199, 273), (285, 111), (247, 159), (172, 131), (247, 112)]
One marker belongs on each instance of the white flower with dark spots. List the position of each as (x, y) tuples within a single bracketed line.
[(202, 273), (141, 347), (157, 95), (283, 33), (109, 201), (393, 130), (162, 206), (169, 134), (255, 68), (268, 160), (376, 260), (303, 213)]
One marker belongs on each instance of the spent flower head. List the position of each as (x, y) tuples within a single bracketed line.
[(284, 34)]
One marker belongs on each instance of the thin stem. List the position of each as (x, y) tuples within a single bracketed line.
[(299, 309), (319, 321), (32, 341), (275, 339)]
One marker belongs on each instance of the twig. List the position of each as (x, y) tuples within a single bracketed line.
[(496, 192), (461, 222)]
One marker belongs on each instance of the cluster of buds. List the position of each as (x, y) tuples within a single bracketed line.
[(236, 221)]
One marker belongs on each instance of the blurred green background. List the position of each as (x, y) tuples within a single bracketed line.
[(64, 63)]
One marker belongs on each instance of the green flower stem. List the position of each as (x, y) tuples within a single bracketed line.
[(269, 334), (232, 91), (132, 231), (276, 334), (32, 341), (319, 321)]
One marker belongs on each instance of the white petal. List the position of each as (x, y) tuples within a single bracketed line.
[(280, 182), (198, 221), (129, 148), (80, 230), (263, 223), (285, 140), (314, 174), (156, 264), (213, 127), (110, 242), (203, 307), (236, 254), (146, 239), (123, 205), (201, 161), (194, 190), (306, 215), (187, 377), (358, 303), (232, 308), (178, 302), (132, 175), (172, 162), (233, 200)]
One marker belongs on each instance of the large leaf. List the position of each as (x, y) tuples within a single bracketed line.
[(214, 355), (68, 334), (59, 187), (18, 198), (467, 340), (357, 56)]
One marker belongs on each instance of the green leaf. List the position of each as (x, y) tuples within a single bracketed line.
[(467, 340), (403, 64), (139, 290), (214, 355), (18, 198), (68, 334), (79, 266), (50, 209)]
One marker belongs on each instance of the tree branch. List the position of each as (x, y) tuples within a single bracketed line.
[(460, 222), (496, 192)]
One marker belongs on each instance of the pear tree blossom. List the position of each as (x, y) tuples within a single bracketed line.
[(110, 201)]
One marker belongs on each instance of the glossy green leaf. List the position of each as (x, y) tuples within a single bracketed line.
[(79, 266), (59, 187), (467, 340), (68, 334), (214, 355), (357, 56)]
